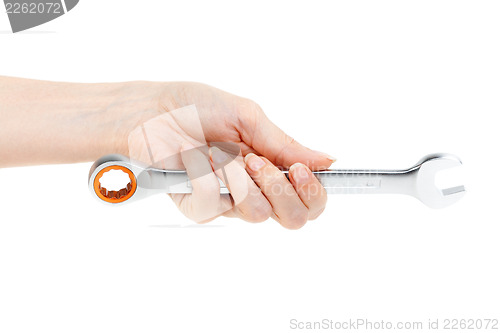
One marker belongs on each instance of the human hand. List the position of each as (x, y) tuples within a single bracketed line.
[(47, 122), (258, 188)]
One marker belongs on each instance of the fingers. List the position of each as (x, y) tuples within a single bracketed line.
[(257, 192), (250, 203), (204, 203), (288, 208), (281, 149), (309, 189)]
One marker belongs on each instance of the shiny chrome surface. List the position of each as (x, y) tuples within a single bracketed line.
[(417, 181)]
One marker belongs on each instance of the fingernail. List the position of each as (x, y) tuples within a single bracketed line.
[(217, 155), (254, 162), (300, 173), (328, 157)]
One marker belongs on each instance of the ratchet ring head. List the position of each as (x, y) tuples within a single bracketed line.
[(115, 196)]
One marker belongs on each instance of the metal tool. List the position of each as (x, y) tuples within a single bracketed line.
[(417, 181)]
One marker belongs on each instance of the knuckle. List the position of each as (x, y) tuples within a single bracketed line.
[(203, 220), (255, 213), (198, 218), (315, 215), (297, 219), (249, 110), (257, 217), (253, 106), (263, 213), (288, 144)]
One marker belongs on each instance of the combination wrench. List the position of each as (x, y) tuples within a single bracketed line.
[(417, 181)]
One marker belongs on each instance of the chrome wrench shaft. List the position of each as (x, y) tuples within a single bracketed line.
[(417, 181)]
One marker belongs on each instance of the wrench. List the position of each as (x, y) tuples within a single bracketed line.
[(416, 181)]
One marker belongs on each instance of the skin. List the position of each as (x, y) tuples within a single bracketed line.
[(56, 122)]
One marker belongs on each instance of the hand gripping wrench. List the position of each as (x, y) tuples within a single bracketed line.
[(417, 181)]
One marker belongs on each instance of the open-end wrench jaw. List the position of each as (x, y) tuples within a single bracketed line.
[(417, 181), (425, 184)]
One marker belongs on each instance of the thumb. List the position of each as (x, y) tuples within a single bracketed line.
[(281, 149)]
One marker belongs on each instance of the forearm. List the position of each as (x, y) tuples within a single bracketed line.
[(53, 122)]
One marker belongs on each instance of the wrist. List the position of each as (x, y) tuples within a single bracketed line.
[(126, 106)]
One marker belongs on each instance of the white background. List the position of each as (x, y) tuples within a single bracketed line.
[(374, 83)]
